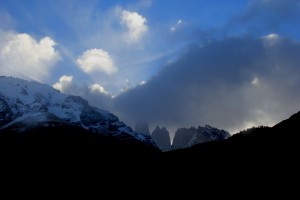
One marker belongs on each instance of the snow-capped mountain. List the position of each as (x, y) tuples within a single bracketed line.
[(187, 137), (28, 104)]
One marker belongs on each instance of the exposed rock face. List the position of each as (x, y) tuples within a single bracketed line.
[(182, 137), (161, 138), (187, 137), (6, 114)]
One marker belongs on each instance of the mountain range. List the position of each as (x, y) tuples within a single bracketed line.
[(184, 137), (187, 137), (25, 105), (52, 144)]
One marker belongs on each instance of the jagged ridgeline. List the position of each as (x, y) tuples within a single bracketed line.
[(25, 105), (184, 137), (187, 137)]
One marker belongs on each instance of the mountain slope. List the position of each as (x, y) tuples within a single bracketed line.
[(161, 138), (51, 144), (68, 160), (187, 137), (27, 104), (264, 159)]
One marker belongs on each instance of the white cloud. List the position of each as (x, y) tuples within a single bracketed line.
[(96, 88), (271, 39), (65, 82), (255, 81), (174, 28), (95, 94), (272, 36), (94, 60), (143, 82), (136, 25), (24, 57)]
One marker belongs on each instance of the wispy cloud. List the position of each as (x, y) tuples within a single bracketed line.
[(174, 28)]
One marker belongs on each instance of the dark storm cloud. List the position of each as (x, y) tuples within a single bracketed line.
[(100, 100), (267, 15), (231, 84)]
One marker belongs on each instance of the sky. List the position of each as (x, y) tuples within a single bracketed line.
[(175, 63)]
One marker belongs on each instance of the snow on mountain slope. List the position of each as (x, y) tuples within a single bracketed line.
[(30, 103)]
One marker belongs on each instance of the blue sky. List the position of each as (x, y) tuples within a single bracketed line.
[(103, 48), (77, 26)]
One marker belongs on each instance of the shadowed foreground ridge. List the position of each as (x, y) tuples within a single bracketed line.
[(70, 160), (74, 161)]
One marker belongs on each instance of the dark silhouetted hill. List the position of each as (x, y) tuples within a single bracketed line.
[(71, 161), (259, 160)]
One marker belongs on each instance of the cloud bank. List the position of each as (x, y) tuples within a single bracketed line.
[(232, 84), (23, 56), (271, 15)]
